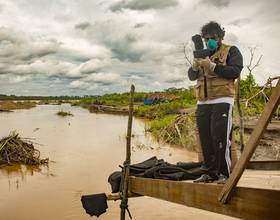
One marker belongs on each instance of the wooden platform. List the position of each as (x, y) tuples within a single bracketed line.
[(264, 165), (246, 203), (268, 179)]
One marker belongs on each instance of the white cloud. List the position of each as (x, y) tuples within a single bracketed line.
[(103, 78), (93, 65), (44, 67), (78, 84), (175, 75), (18, 79), (156, 84)]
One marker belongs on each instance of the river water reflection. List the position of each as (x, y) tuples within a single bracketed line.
[(83, 151)]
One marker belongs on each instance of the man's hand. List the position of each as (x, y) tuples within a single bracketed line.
[(207, 64), (195, 64)]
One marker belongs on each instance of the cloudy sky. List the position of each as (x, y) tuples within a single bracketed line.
[(79, 47)]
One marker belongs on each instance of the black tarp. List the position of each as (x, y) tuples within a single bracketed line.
[(96, 204), (158, 169)]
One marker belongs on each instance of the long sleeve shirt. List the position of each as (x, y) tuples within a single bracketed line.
[(232, 69)]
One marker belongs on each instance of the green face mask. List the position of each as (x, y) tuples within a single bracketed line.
[(212, 44)]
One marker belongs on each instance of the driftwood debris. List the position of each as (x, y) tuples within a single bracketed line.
[(16, 150), (181, 131), (108, 109)]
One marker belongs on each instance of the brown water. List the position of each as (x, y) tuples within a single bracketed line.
[(83, 151)]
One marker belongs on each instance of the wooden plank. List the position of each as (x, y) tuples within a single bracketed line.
[(247, 203), (264, 165), (252, 144), (117, 196)]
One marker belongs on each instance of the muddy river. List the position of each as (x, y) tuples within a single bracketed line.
[(83, 150)]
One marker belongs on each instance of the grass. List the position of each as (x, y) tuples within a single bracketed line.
[(12, 105), (64, 114)]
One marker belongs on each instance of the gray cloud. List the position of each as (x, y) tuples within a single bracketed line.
[(123, 49), (139, 74), (22, 56), (16, 45), (95, 80), (142, 5), (82, 26), (240, 22), (139, 25), (174, 75), (2, 7), (216, 3)]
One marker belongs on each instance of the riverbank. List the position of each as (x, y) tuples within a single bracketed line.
[(174, 121), (179, 128), (8, 106), (170, 119)]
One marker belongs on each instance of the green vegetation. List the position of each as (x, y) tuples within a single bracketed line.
[(248, 88), (115, 99), (166, 121), (64, 114)]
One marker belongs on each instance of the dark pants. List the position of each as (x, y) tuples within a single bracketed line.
[(214, 122)]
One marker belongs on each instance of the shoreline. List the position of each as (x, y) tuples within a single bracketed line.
[(268, 149)]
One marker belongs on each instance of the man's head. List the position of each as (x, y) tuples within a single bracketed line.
[(214, 31)]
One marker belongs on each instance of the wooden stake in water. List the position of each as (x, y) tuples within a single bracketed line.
[(125, 175)]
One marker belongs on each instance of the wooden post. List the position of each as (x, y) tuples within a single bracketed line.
[(125, 176), (253, 142), (240, 113), (233, 153)]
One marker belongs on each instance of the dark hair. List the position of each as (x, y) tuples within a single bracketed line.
[(213, 28)]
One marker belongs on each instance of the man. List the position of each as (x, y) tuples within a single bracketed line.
[(215, 90)]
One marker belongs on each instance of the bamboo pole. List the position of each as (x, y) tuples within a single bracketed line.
[(125, 176)]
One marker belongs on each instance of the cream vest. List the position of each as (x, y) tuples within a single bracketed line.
[(215, 86)]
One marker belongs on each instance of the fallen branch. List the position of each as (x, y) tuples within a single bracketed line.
[(267, 85)]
